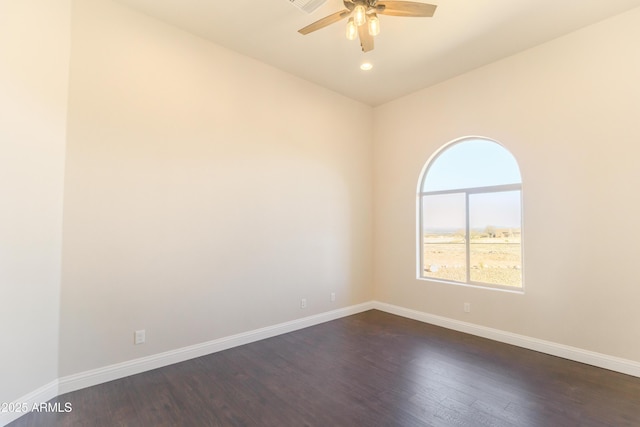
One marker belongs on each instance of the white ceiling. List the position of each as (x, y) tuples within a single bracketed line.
[(409, 54)]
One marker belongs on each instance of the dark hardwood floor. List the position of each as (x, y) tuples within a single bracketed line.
[(371, 369)]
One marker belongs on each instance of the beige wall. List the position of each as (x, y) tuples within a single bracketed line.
[(568, 110), (206, 193), (34, 60)]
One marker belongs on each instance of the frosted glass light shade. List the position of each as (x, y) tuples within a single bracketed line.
[(374, 25), (359, 15), (352, 30)]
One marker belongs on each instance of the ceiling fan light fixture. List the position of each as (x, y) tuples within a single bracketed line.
[(374, 24), (360, 12), (360, 15), (352, 30)]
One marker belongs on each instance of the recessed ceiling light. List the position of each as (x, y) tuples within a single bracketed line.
[(366, 66)]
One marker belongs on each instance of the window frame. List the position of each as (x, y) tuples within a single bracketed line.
[(467, 191)]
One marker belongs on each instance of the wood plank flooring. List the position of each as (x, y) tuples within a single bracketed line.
[(370, 369)]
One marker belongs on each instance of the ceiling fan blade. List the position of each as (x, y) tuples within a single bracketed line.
[(405, 8), (366, 40), (327, 20)]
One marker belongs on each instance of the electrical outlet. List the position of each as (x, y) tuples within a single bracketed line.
[(139, 337), (467, 307), (303, 303), (333, 296)]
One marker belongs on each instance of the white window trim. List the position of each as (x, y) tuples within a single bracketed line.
[(467, 192)]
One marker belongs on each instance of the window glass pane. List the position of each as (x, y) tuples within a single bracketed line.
[(495, 241), (443, 237), (472, 163)]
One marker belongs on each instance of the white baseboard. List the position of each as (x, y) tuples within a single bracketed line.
[(113, 372), (612, 363), (136, 366), (28, 401), (120, 370)]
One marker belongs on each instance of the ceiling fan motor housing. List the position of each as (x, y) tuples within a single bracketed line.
[(351, 4)]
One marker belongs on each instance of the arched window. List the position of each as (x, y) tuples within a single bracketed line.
[(470, 216)]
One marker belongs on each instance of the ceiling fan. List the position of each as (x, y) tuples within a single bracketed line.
[(361, 12)]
